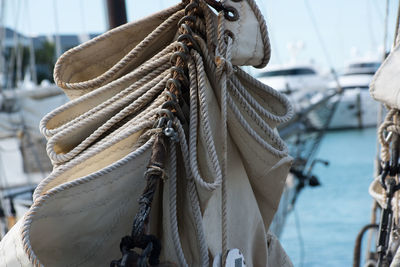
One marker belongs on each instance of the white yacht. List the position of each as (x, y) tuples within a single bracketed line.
[(292, 78), (356, 108), (300, 82)]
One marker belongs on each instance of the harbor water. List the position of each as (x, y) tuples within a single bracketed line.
[(323, 228)]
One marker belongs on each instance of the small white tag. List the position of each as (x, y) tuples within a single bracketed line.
[(233, 259)]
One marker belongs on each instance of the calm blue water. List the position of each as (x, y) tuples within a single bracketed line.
[(330, 216)]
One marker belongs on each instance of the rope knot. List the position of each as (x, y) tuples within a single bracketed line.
[(390, 125), (224, 65), (156, 170)]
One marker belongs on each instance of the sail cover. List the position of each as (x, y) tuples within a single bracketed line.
[(161, 111)]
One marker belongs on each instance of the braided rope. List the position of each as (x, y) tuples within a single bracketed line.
[(39, 201), (146, 73), (137, 101), (172, 207), (210, 145), (115, 69), (194, 199), (132, 108), (385, 145), (224, 68), (264, 33)]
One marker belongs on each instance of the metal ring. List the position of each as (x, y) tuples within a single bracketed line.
[(190, 7), (190, 38), (175, 105), (181, 74), (171, 95), (160, 123), (229, 34), (176, 83), (182, 55), (189, 18), (228, 10), (167, 112), (187, 28), (184, 47)]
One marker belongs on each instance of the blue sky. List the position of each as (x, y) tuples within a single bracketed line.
[(348, 27)]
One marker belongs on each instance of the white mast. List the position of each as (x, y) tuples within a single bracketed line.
[(2, 37), (57, 33), (14, 50), (32, 59)]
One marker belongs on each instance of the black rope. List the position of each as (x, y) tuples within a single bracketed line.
[(149, 244), (176, 86)]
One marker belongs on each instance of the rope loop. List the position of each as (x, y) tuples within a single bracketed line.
[(180, 55), (156, 170), (230, 13), (191, 7), (188, 18), (181, 75), (189, 38)]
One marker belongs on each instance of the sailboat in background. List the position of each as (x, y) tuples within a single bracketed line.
[(23, 103), (357, 109)]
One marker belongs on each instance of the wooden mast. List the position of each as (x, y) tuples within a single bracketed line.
[(116, 13)]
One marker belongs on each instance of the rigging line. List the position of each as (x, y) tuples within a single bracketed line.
[(271, 32), (377, 14), (2, 37), (300, 237), (369, 24), (377, 8), (322, 43), (318, 33)]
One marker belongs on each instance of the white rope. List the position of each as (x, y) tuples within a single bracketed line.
[(131, 109), (194, 201), (139, 96), (198, 103), (195, 92), (224, 68), (172, 206), (79, 109)]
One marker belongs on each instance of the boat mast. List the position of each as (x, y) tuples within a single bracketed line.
[(2, 37), (116, 13), (57, 40), (32, 58)]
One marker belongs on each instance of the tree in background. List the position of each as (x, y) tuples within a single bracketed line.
[(45, 61)]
